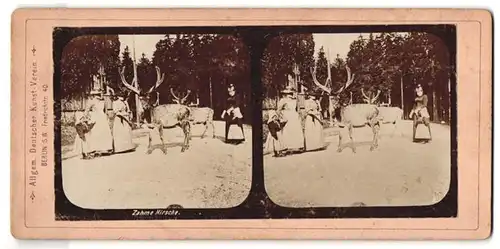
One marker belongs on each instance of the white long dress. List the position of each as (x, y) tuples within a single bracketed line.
[(313, 130), (292, 133), (100, 137), (122, 132)]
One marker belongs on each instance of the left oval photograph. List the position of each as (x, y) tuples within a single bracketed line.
[(151, 121)]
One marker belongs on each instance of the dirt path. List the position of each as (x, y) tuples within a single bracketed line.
[(211, 174), (399, 172)]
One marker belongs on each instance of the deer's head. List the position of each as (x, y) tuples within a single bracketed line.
[(327, 86), (179, 100), (147, 99), (370, 98)]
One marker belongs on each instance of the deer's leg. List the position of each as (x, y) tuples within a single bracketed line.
[(213, 128), (339, 149), (204, 131), (375, 129), (160, 131), (207, 125), (190, 137), (186, 128), (353, 147), (150, 142), (150, 146), (331, 111)]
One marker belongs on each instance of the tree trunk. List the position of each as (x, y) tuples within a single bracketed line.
[(402, 98), (434, 104), (137, 116), (210, 88), (449, 99), (137, 103), (331, 111)]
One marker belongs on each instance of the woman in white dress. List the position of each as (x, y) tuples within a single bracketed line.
[(100, 138), (313, 130), (122, 131), (292, 133)]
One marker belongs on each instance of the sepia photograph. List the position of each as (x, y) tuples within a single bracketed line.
[(357, 119), (344, 119), (251, 124), (150, 121)]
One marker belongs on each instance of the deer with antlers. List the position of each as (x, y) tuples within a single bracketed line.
[(387, 114), (162, 116), (351, 115), (198, 115)]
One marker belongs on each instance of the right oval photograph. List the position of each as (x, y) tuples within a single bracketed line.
[(357, 119)]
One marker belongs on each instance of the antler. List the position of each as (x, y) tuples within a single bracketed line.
[(157, 102), (159, 80), (316, 82), (350, 79), (329, 71), (109, 90), (197, 103), (376, 96), (129, 86), (365, 97), (185, 97), (370, 100), (176, 99)]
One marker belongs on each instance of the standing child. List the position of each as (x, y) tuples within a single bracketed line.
[(275, 125)]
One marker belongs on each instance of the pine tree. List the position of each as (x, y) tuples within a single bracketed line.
[(82, 57)]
